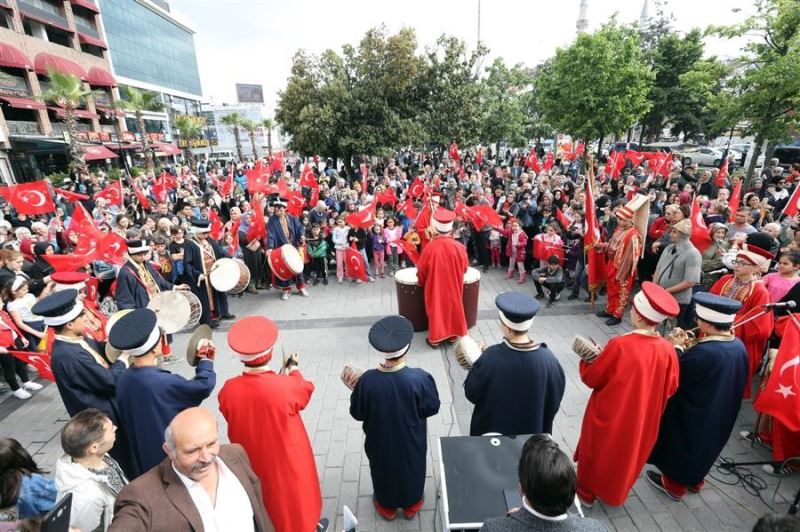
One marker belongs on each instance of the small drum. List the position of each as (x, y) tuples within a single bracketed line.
[(285, 262), (585, 348), (467, 351), (176, 310), (229, 275), (411, 298), (350, 376), (472, 288)]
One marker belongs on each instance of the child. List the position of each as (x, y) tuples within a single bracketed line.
[(13, 367), (340, 244), (378, 250), (494, 248), (551, 277), (391, 235), (515, 249), (317, 251), (162, 258), (551, 238), (18, 305), (780, 282)]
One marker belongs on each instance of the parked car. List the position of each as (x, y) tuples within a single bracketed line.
[(787, 154), (703, 156)]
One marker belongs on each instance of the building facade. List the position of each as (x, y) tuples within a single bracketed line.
[(223, 136), (35, 37), (152, 49)]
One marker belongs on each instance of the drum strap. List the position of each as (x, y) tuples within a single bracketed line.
[(86, 347), (148, 283)]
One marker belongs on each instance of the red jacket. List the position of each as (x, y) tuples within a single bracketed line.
[(522, 242)]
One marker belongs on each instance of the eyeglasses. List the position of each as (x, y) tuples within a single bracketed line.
[(737, 262)]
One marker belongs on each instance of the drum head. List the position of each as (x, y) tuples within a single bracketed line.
[(224, 275), (292, 258), (173, 310), (472, 275), (406, 276)]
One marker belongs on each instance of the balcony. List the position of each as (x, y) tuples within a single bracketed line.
[(22, 128), (49, 15), (86, 30), (59, 128)]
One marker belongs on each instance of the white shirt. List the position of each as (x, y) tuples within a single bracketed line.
[(233, 510)]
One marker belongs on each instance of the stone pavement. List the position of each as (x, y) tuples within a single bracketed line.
[(330, 328)]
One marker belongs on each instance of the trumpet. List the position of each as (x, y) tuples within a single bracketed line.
[(682, 337)]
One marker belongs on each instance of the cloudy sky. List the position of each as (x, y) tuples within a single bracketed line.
[(252, 41)]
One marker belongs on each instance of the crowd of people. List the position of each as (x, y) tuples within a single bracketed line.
[(660, 238)]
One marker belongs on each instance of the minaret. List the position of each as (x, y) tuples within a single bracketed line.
[(583, 18), (644, 18)]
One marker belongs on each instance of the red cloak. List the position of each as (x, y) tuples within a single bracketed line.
[(754, 334), (263, 415), (631, 381), (440, 271)]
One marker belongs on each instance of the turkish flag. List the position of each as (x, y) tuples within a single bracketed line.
[(355, 265), (482, 215), (409, 249), (112, 193), (387, 197), (169, 180), (408, 208), (662, 164), (548, 161), (216, 224), (700, 237), (30, 198), (296, 203), (227, 186), (532, 162), (160, 189), (276, 163), (780, 398), (562, 218), (258, 227), (71, 196), (543, 249), (235, 233), (141, 197), (454, 152), (112, 248), (307, 178), (636, 157), (314, 198), (82, 228), (417, 188), (614, 163), (283, 188), (365, 218), (580, 149), (568, 153), (595, 259), (793, 205), (71, 262), (40, 361), (736, 198), (722, 176), (257, 181)]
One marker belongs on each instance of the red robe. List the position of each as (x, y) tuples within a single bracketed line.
[(631, 381), (622, 256), (440, 271), (263, 415), (754, 334)]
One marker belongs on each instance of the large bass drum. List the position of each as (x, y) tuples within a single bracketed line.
[(472, 288), (229, 275), (176, 310), (411, 298)]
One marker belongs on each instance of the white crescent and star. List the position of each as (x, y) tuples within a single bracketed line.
[(26, 198)]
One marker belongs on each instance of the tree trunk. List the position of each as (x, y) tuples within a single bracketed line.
[(238, 143), (269, 141), (600, 146), (252, 135), (148, 155), (77, 160), (752, 165)]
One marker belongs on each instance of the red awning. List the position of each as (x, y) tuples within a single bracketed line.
[(166, 148), (124, 146), (23, 103), (101, 78), (43, 20), (88, 4), (88, 39), (44, 62), (93, 152), (79, 113), (12, 57)]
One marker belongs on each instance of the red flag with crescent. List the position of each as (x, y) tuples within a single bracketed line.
[(562, 218), (409, 249), (532, 161), (257, 180), (40, 361), (276, 163), (780, 398), (595, 259), (736, 198), (296, 203), (30, 198), (70, 195), (548, 161), (143, 201), (314, 198), (283, 188), (216, 224), (417, 188), (365, 218), (71, 262), (407, 207), (793, 205), (700, 237), (307, 178), (235, 233), (112, 248), (355, 265), (482, 215), (453, 152), (112, 193), (387, 197), (160, 188), (227, 186), (258, 227)]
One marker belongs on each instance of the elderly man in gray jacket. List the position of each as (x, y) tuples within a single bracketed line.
[(678, 271), (88, 472)]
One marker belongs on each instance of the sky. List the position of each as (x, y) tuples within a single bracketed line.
[(253, 41)]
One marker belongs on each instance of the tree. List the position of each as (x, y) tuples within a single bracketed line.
[(251, 126), (598, 85), (765, 85), (504, 102), (704, 98), (268, 124), (189, 128), (139, 102), (67, 92), (234, 123)]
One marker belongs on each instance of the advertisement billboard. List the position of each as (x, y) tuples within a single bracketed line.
[(246, 93)]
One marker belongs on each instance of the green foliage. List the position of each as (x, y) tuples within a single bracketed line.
[(189, 127), (136, 172), (114, 174), (138, 102), (598, 85), (57, 178), (506, 96)]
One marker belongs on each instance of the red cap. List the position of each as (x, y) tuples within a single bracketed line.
[(759, 251), (70, 277), (443, 216), (252, 338), (655, 304)]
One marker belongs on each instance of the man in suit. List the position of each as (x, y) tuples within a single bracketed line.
[(547, 483), (201, 485)]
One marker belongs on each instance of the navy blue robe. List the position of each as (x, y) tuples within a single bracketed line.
[(193, 264), (394, 406), (131, 293), (277, 238), (700, 416), (149, 398), (514, 391)]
